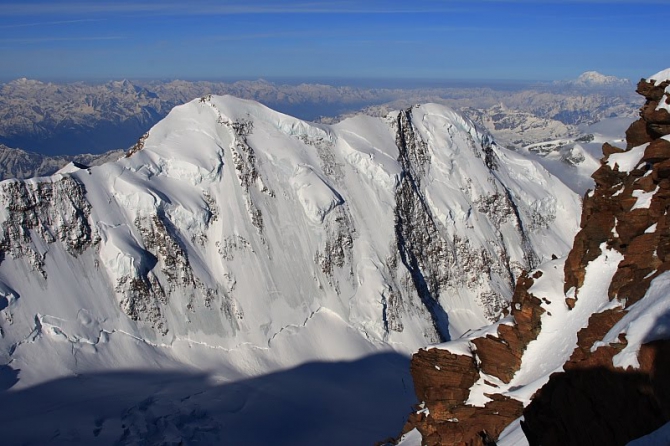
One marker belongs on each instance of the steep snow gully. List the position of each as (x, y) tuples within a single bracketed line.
[(245, 277)]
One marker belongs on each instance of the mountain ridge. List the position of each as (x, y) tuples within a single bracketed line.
[(242, 241)]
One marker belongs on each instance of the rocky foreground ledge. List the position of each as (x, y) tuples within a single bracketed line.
[(583, 355)]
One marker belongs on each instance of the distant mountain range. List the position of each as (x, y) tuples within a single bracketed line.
[(57, 119)]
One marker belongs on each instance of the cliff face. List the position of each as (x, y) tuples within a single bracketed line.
[(583, 353), (628, 212)]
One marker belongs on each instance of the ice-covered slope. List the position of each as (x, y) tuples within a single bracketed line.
[(238, 241)]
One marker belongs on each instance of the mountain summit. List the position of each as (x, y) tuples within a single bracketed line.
[(595, 79)]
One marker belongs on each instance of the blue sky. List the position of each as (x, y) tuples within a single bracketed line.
[(390, 39)]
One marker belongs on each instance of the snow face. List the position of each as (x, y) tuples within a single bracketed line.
[(315, 195), (660, 77), (663, 104), (241, 242), (574, 159), (513, 435), (643, 199), (560, 326), (595, 79), (627, 161), (645, 321), (411, 438)]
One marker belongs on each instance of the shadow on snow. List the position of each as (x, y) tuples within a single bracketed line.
[(357, 402)]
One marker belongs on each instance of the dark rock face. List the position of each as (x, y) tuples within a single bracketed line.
[(592, 402), (55, 210)]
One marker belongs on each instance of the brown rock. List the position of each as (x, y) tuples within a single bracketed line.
[(640, 251), (637, 134), (657, 150), (630, 224), (653, 115), (650, 91), (599, 325), (659, 129), (442, 380), (609, 149), (498, 359), (645, 183), (595, 230), (661, 171), (471, 426), (592, 402), (441, 376), (605, 176)]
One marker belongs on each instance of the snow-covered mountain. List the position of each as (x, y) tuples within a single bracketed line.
[(67, 119), (595, 79), (239, 257), (516, 128)]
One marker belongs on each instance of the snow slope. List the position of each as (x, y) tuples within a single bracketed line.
[(237, 244)]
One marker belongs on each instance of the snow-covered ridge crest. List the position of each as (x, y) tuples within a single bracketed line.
[(660, 77), (234, 227), (594, 78)]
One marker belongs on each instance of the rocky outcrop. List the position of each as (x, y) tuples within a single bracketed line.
[(628, 212), (595, 400), (626, 204), (443, 380), (54, 210)]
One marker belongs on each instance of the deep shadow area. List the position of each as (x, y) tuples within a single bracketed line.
[(352, 403), (602, 406), (8, 377)]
